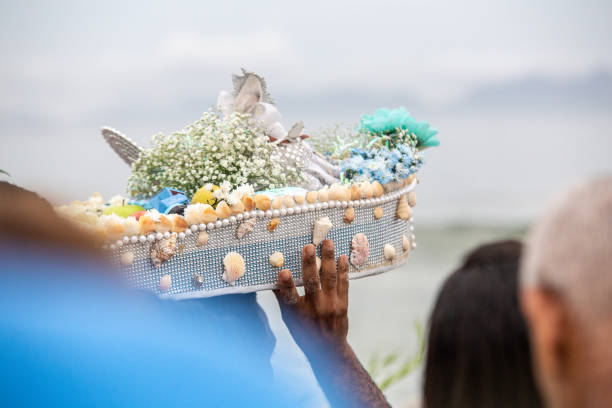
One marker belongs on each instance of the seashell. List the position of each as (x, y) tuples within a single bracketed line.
[(405, 243), (299, 199), (349, 215), (223, 210), (237, 208), (312, 196), (163, 250), (320, 230), (131, 226), (412, 198), (127, 258), (262, 202), (378, 213), (198, 280), (178, 223), (113, 225), (273, 224), (323, 195), (245, 228), (318, 262), (202, 238), (163, 224), (336, 193), (165, 282), (208, 214), (277, 259), (193, 213), (277, 203), (288, 201), (355, 192), (378, 189), (234, 267), (391, 186), (346, 194), (404, 212), (389, 252), (360, 249), (366, 190), (248, 202)]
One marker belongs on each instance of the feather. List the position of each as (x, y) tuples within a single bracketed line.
[(122, 145)]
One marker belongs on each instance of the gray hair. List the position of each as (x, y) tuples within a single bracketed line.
[(570, 249)]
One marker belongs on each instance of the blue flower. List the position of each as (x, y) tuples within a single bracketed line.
[(384, 165), (385, 122)]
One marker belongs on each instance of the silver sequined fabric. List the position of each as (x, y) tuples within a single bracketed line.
[(293, 232)]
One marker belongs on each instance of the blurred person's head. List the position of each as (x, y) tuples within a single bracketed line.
[(566, 294), (26, 219), (478, 349)]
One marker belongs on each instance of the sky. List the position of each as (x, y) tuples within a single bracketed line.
[(471, 68)]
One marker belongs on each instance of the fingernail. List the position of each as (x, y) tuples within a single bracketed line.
[(284, 275)]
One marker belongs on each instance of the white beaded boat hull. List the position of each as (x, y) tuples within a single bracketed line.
[(293, 232)]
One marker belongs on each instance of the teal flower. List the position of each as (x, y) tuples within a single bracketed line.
[(388, 122)]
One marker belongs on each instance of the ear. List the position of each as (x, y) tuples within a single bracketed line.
[(547, 319)]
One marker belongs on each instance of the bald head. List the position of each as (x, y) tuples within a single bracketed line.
[(570, 249)]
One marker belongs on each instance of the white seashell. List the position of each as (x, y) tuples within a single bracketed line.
[(165, 282), (349, 215), (412, 198), (202, 238), (277, 259), (288, 201), (194, 213), (321, 227), (405, 243), (378, 212), (360, 249), (366, 190), (318, 262), (277, 203), (245, 228), (312, 196), (323, 195), (336, 193), (389, 251), (234, 267), (131, 225), (163, 250), (127, 258), (404, 211)]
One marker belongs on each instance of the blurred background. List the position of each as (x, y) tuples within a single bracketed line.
[(520, 91)]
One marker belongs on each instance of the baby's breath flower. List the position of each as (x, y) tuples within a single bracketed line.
[(227, 152)]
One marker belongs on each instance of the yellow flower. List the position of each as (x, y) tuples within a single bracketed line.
[(204, 196)]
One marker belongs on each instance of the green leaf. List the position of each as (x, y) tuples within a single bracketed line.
[(4, 172), (386, 372)]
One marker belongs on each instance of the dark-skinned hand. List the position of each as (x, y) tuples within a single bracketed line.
[(319, 318), (318, 322)]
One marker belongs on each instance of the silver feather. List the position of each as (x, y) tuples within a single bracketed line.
[(122, 145)]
